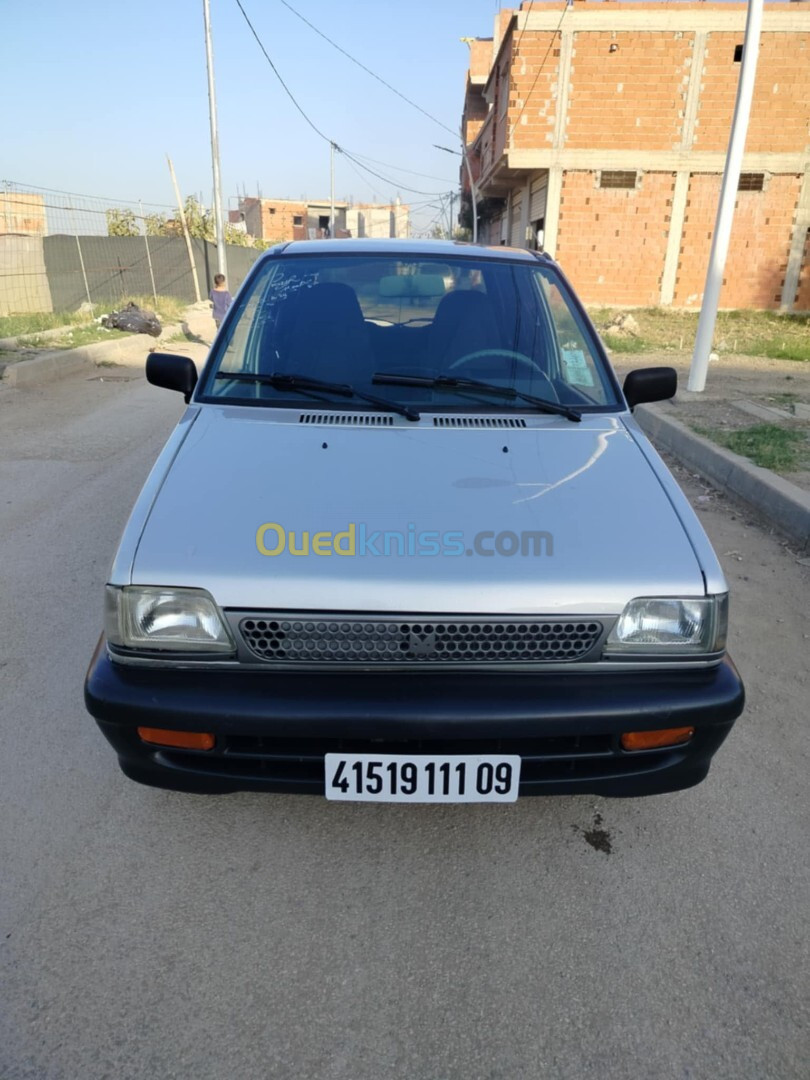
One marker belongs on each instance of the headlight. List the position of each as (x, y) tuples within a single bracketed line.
[(671, 625), (153, 618)]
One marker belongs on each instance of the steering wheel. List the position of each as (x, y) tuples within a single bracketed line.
[(523, 360)]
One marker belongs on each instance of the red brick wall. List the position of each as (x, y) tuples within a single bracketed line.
[(533, 127), (277, 219), (780, 111), (632, 98), (612, 242), (759, 248)]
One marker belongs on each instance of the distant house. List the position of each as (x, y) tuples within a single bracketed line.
[(279, 220), (22, 213), (598, 131)]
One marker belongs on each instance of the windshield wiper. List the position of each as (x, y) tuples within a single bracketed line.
[(281, 381), (448, 382)]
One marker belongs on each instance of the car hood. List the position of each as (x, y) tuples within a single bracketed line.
[(607, 528)]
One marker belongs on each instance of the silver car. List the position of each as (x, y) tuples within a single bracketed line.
[(407, 543)]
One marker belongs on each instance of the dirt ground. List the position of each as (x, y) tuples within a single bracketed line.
[(777, 384)]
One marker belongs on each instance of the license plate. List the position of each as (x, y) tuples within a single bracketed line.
[(419, 778)]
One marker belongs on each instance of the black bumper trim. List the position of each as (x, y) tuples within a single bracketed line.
[(375, 708)]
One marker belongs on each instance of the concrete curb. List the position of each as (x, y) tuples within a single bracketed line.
[(131, 351), (782, 503)]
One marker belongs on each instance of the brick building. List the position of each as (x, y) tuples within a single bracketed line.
[(599, 131), (278, 220)]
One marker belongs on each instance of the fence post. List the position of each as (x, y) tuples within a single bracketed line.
[(81, 257), (148, 252)]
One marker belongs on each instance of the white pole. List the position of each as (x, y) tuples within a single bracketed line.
[(728, 195), (472, 193), (331, 190), (81, 257), (184, 225), (222, 265)]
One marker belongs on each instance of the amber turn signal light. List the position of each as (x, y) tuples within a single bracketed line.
[(184, 740), (654, 740)]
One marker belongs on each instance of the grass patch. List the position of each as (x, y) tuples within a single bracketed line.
[(773, 447), (36, 321), (178, 339), (747, 333), (625, 344), (168, 309)]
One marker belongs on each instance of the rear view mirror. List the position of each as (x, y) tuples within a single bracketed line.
[(172, 372), (650, 384)]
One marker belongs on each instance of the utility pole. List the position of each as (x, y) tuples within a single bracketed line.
[(473, 195), (728, 196), (331, 190), (452, 197), (222, 265)]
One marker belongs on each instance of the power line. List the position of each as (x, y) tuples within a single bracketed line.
[(287, 90), (540, 69), (311, 123), (368, 70), (78, 195), (387, 179), (523, 31), (400, 168)]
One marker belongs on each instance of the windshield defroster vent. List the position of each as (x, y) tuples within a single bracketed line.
[(479, 421), (347, 419)]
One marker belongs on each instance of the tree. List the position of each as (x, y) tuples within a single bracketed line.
[(237, 236), (121, 223), (156, 224), (200, 221)]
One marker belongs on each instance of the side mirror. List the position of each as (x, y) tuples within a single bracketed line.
[(172, 372), (650, 384)]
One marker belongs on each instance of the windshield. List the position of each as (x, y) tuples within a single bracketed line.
[(354, 319)]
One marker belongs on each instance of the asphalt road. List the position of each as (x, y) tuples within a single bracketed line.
[(156, 935)]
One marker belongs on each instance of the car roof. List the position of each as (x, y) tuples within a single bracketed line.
[(409, 247)]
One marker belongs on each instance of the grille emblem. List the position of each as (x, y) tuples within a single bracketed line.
[(422, 643)]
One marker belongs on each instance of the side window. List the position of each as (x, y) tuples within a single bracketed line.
[(577, 365)]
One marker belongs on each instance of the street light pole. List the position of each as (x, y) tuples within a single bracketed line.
[(728, 195), (473, 195), (222, 265), (331, 190)]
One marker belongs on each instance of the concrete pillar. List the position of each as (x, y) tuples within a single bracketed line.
[(690, 108), (800, 227), (563, 86), (553, 210), (676, 217), (524, 211)]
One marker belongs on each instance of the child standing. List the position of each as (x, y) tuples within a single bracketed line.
[(220, 299)]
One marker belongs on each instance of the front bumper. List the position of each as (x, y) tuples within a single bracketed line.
[(273, 728)]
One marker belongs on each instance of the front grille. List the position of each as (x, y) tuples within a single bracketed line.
[(321, 639)]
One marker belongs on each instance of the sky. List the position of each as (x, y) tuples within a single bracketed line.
[(96, 94)]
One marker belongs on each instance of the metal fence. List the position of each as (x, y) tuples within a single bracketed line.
[(56, 252)]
